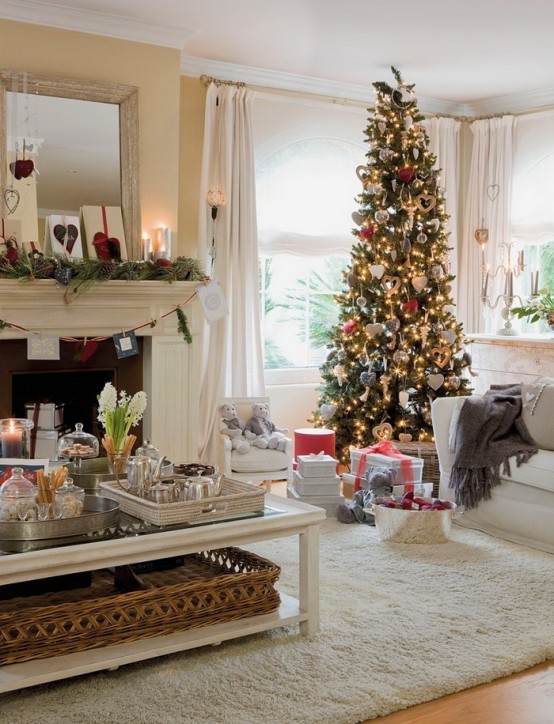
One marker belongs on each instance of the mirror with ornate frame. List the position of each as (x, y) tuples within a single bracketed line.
[(126, 97)]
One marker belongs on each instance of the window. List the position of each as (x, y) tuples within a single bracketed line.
[(306, 184), (532, 210)]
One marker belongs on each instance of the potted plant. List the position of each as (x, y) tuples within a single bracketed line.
[(539, 306)]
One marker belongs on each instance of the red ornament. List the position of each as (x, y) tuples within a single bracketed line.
[(410, 306), (366, 232), (349, 327), (163, 262), (406, 174), (11, 256), (84, 350), (22, 168)]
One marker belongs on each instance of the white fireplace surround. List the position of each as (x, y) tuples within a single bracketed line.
[(171, 367)]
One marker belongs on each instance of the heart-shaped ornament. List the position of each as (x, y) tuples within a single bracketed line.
[(11, 199), (449, 335), (373, 330), (410, 306), (452, 382), (358, 218), (425, 202), (449, 309), (85, 349), (72, 236), (363, 172), (435, 381), (22, 168), (377, 270), (391, 284), (403, 398), (434, 224), (382, 126), (492, 191), (419, 283), (59, 232), (327, 411), (382, 431), (63, 275), (441, 356), (405, 437), (481, 236), (106, 248)]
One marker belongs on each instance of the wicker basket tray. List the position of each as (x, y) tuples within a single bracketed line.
[(236, 498), (428, 453), (209, 588)]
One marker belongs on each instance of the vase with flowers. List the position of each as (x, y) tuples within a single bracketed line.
[(117, 413), (539, 307)]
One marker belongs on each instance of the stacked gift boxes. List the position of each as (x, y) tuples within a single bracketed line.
[(316, 482), (408, 470), (48, 427)]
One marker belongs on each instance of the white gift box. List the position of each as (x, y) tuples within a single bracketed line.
[(317, 466), (377, 460), (316, 486), (328, 502), (62, 237), (46, 443), (50, 415)]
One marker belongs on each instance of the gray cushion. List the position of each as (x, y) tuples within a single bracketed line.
[(259, 461)]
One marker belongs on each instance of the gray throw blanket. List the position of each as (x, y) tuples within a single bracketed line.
[(490, 431)]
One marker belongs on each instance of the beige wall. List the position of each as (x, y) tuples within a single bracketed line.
[(193, 96), (154, 70)]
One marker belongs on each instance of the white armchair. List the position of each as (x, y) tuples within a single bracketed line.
[(256, 465)]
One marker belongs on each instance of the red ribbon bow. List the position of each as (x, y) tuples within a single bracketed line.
[(386, 447)]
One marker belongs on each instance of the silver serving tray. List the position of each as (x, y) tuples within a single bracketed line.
[(98, 514)]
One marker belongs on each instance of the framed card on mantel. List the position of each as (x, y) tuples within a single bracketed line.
[(103, 232)]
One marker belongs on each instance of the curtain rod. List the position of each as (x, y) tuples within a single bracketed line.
[(207, 79)]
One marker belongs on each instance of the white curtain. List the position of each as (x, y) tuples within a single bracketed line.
[(233, 357), (532, 200), (444, 143), (487, 207)]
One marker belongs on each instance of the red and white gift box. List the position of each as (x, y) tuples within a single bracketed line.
[(103, 232), (384, 454)]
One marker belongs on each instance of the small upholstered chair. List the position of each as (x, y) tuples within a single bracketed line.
[(256, 465)]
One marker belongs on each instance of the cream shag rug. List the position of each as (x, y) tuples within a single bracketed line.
[(400, 624)]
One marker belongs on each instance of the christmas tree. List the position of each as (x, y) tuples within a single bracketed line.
[(397, 345)]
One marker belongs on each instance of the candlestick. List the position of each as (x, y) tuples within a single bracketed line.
[(511, 283), (12, 441)]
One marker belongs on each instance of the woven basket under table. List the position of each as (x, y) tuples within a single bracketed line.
[(209, 588), (428, 453)]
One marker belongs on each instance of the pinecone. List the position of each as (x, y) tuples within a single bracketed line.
[(43, 268), (107, 269)]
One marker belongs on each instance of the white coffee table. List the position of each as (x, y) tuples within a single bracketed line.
[(286, 518)]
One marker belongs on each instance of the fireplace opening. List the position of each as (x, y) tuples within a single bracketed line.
[(67, 381)]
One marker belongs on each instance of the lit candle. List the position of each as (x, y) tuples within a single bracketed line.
[(12, 441), (146, 249)]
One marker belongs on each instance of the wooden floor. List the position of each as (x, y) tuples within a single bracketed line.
[(525, 698)]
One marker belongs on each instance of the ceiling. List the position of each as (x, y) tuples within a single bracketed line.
[(464, 56)]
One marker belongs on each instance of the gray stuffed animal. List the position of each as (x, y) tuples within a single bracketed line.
[(379, 483)]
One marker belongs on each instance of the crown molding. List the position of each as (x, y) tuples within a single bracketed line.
[(302, 84), (86, 21)]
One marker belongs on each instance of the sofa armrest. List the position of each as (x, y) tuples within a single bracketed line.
[(443, 410)]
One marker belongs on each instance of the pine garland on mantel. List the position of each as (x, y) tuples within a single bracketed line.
[(79, 275)]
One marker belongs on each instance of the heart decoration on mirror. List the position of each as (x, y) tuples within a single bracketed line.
[(11, 199)]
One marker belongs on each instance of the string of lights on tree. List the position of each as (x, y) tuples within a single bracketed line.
[(397, 345)]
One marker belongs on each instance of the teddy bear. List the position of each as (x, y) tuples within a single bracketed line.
[(263, 428), (380, 481), (232, 426)]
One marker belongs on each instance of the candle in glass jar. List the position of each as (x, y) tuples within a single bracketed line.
[(12, 441)]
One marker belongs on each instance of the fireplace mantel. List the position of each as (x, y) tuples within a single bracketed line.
[(171, 367)]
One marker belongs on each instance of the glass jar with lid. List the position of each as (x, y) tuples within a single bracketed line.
[(18, 498), (70, 498), (78, 445)]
